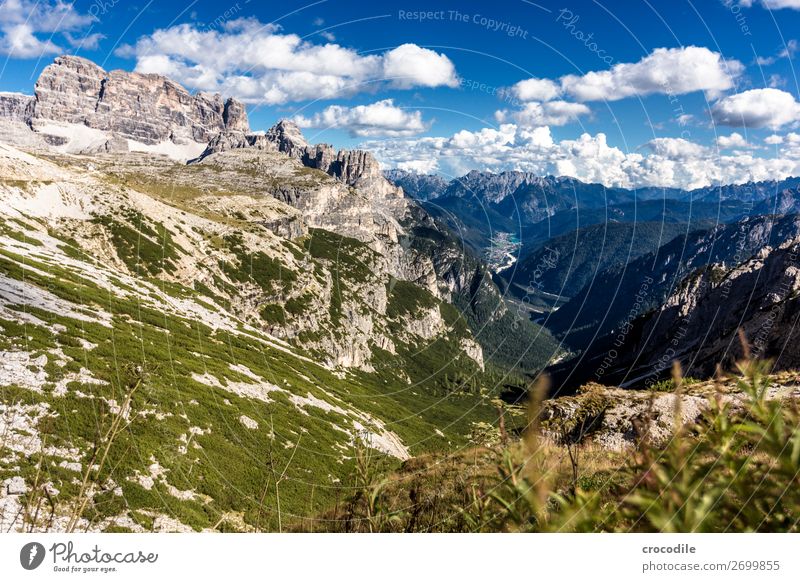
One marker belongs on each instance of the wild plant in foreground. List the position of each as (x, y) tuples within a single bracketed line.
[(738, 469)]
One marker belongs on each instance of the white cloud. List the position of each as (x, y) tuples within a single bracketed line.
[(666, 162), (787, 52), (788, 146), (382, 118), (88, 42), (411, 66), (418, 166), (21, 42), (257, 63), (548, 113), (671, 71), (773, 139), (668, 71), (536, 90), (790, 49), (776, 81), (27, 25), (676, 148), (769, 107), (733, 141), (774, 4)]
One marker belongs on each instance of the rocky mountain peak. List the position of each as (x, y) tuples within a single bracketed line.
[(288, 137), (356, 168), (234, 116), (147, 108), (15, 106)]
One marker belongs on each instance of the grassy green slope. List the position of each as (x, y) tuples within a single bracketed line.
[(183, 431)]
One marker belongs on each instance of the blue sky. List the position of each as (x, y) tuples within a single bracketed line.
[(626, 93)]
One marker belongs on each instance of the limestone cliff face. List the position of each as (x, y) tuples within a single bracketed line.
[(143, 107), (16, 106)]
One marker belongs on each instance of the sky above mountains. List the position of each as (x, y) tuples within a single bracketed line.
[(654, 92)]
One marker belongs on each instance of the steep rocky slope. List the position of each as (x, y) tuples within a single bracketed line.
[(269, 309), (701, 320), (209, 345)]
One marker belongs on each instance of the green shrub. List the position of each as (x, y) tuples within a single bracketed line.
[(273, 313), (734, 471), (407, 298), (668, 384)]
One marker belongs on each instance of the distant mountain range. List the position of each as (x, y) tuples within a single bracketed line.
[(534, 208)]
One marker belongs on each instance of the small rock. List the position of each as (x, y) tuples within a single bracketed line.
[(15, 485)]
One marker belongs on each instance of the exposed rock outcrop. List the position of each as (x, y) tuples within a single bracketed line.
[(617, 419), (700, 321), (345, 191)]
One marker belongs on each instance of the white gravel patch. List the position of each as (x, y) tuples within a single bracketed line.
[(248, 422), (16, 370), (13, 292)]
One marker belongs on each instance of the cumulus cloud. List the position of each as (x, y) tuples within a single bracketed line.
[(540, 114), (27, 26), (769, 107), (20, 41), (733, 141), (382, 118), (668, 71), (676, 148), (788, 146), (258, 63), (672, 71), (774, 4), (536, 90), (411, 66), (665, 162)]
